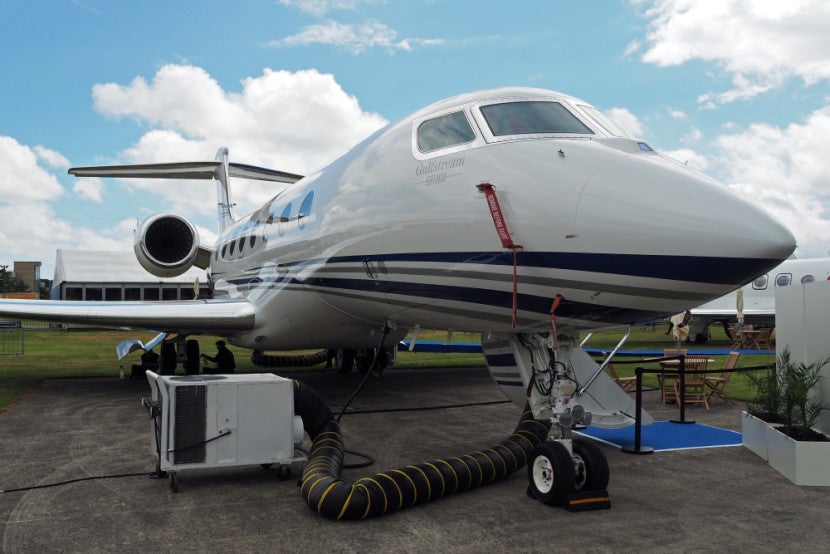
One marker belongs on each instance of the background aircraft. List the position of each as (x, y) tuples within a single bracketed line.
[(758, 297)]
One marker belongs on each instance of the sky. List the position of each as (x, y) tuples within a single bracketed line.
[(738, 89)]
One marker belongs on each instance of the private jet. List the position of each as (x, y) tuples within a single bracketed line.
[(522, 214)]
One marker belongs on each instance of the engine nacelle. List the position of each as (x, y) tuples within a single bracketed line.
[(166, 244)]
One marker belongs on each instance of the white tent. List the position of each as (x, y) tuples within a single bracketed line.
[(102, 275)]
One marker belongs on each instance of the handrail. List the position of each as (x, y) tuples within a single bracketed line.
[(605, 362)]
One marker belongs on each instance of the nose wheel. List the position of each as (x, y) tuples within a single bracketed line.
[(555, 475), (551, 473)]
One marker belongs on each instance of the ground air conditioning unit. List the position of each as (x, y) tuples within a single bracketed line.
[(210, 421)]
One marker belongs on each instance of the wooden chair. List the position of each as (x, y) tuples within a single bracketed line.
[(626, 383), (717, 385), (764, 338), (695, 384), (666, 380)]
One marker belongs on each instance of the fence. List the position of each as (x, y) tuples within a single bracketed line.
[(11, 338)]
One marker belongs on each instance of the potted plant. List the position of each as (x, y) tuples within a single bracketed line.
[(788, 403), (763, 411)]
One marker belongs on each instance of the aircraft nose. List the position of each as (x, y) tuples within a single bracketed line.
[(712, 234)]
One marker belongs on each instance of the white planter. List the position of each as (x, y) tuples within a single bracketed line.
[(802, 462), (754, 434)]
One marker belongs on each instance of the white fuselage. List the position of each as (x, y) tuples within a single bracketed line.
[(758, 306), (393, 232)]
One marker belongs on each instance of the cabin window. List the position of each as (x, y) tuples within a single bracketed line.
[(253, 241), (132, 293), (807, 279), (532, 118), (169, 293), (760, 283), (305, 209), (241, 244), (151, 294), (286, 215), (444, 131), (783, 279)]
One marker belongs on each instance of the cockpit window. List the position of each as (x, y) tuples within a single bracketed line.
[(446, 130), (531, 118), (607, 124)]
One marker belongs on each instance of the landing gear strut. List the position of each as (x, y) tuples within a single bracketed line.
[(564, 470)]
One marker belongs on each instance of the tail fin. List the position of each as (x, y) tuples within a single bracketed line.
[(220, 169), (223, 190)]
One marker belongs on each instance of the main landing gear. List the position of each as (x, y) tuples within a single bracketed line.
[(180, 350)]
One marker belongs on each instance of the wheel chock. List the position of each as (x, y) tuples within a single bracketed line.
[(583, 501)]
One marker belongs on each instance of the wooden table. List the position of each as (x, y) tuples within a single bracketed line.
[(666, 380)]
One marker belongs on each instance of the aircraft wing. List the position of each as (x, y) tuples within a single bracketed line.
[(714, 312), (225, 317), (186, 170)]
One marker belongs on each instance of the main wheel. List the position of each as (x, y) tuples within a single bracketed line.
[(345, 361), (191, 349), (168, 359), (591, 466), (551, 473)]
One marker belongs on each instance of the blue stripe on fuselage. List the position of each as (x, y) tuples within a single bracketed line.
[(721, 271)]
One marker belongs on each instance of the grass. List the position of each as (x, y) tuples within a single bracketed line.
[(91, 353)]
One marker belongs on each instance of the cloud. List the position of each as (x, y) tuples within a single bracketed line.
[(786, 170), (33, 231), (320, 8), (293, 121), (31, 228), (688, 157), (625, 119), (51, 158), (23, 179), (89, 189), (356, 39), (760, 44)]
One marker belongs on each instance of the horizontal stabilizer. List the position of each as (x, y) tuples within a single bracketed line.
[(218, 317), (185, 170)]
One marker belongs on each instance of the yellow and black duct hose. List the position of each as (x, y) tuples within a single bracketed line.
[(327, 494)]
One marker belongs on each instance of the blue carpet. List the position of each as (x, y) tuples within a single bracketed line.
[(665, 435)]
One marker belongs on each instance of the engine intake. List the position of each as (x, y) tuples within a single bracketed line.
[(166, 244)]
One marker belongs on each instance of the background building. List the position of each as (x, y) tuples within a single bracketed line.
[(29, 273), (113, 276)]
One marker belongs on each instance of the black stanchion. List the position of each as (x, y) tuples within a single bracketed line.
[(637, 447), (681, 376)]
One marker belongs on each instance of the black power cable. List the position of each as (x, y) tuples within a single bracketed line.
[(79, 479)]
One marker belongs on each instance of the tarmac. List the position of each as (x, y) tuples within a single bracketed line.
[(700, 500)]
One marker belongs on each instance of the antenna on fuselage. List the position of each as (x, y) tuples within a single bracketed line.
[(223, 195)]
